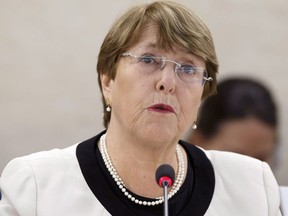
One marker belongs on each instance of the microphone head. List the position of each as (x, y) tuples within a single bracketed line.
[(165, 175)]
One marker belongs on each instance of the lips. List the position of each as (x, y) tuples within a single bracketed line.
[(161, 108)]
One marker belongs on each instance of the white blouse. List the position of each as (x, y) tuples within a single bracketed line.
[(51, 183)]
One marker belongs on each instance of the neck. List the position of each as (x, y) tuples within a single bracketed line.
[(137, 165), (148, 151)]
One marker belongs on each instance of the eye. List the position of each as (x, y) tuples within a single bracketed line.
[(188, 69), (148, 59)]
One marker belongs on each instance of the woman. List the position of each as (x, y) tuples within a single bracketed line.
[(155, 66), (241, 117)]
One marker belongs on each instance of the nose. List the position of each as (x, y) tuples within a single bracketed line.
[(167, 80)]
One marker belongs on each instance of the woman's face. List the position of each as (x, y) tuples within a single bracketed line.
[(153, 105)]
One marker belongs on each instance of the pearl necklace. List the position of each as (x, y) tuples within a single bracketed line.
[(110, 167)]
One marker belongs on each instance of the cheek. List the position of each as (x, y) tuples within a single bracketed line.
[(190, 105), (189, 109), (129, 92)]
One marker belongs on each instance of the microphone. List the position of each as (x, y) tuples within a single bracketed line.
[(165, 177)]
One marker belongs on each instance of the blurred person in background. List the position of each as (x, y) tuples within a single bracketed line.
[(241, 118)]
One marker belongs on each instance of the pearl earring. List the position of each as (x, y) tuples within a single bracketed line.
[(194, 126), (108, 108)]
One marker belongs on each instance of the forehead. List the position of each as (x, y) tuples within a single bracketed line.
[(150, 39)]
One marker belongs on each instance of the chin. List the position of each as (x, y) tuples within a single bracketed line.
[(159, 134), (156, 130)]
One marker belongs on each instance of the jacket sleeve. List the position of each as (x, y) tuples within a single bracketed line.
[(272, 191), (18, 189)]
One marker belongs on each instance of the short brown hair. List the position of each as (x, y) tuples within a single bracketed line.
[(176, 26)]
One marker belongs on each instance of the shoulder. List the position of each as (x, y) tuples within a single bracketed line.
[(66, 153), (25, 176), (45, 164), (244, 178), (231, 159), (226, 163), (238, 179), (40, 162), (236, 165), (43, 157)]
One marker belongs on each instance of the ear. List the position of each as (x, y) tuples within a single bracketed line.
[(107, 86)]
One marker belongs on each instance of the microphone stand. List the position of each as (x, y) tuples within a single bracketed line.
[(164, 177), (165, 196)]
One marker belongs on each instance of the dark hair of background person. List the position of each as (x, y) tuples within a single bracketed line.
[(241, 117), (237, 98)]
